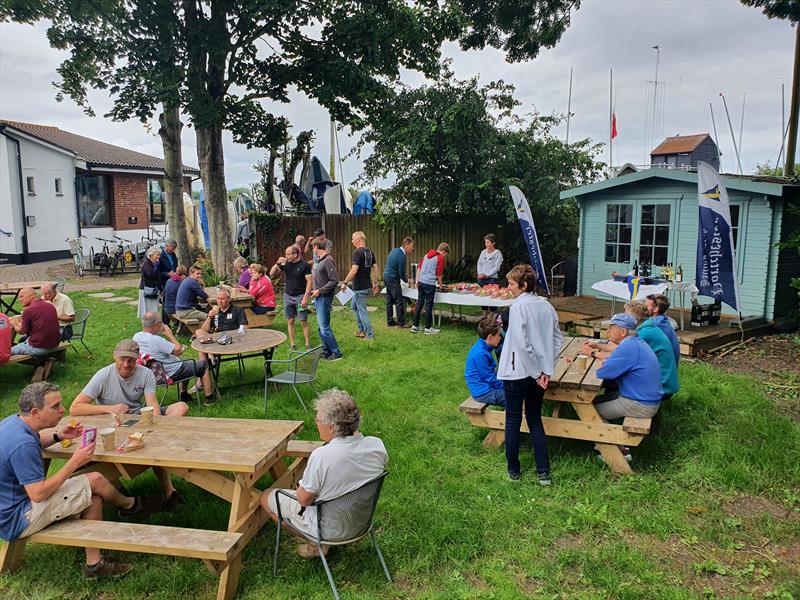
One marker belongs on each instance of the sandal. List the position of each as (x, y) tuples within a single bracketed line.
[(360, 334)]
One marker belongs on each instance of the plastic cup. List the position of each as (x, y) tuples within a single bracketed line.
[(146, 416), (582, 361), (109, 436)]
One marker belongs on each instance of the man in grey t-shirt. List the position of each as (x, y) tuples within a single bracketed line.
[(119, 389)]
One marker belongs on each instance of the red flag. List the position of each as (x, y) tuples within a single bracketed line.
[(613, 125)]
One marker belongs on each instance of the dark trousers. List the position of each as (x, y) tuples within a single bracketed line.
[(527, 391), (395, 301), (425, 294)]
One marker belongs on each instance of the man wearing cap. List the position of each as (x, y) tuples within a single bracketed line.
[(30, 500), (119, 389), (634, 367)]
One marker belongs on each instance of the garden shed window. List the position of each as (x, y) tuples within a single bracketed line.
[(619, 227), (654, 234)]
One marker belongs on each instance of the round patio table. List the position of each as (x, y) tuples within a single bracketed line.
[(251, 343)]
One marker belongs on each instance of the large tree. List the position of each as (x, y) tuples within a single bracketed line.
[(344, 53), (454, 147)]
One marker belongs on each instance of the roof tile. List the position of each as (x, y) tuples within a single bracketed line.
[(679, 144)]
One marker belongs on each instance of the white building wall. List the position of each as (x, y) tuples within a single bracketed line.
[(54, 214)]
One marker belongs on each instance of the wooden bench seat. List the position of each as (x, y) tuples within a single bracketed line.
[(633, 425), (37, 361), (255, 321), (302, 448), (218, 546), (191, 325)]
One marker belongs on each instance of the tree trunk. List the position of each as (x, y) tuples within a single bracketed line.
[(212, 172), (270, 176), (170, 132), (794, 108)]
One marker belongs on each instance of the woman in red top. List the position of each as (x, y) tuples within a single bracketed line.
[(261, 290)]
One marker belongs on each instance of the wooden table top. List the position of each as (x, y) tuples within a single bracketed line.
[(236, 445), (238, 298), (16, 286), (252, 340), (570, 375)]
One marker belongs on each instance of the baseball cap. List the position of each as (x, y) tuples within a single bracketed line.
[(319, 232), (127, 348), (622, 320)]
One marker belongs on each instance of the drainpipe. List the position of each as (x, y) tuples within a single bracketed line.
[(21, 196)]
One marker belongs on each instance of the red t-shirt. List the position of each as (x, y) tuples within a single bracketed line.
[(6, 330), (40, 322)]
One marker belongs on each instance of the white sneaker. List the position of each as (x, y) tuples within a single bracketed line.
[(431, 331), (414, 329)]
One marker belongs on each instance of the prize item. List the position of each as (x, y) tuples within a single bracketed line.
[(89, 436), (135, 441)]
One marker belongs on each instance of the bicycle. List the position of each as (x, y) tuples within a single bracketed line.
[(76, 250), (101, 260), (119, 258)]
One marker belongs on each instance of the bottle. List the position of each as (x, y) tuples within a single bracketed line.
[(636, 268), (679, 276)]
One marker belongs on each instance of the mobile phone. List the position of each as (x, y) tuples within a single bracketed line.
[(89, 435), (130, 422)]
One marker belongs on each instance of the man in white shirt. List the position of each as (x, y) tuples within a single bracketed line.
[(347, 461), (62, 302)]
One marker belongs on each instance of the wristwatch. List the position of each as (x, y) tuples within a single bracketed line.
[(594, 353), (55, 437)]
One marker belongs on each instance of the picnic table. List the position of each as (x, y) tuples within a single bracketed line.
[(9, 292), (454, 299), (570, 385), (251, 343), (238, 297), (225, 457)]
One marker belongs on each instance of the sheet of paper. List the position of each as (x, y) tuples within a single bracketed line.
[(345, 295)]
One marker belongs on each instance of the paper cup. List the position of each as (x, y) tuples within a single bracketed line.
[(109, 435), (147, 416), (582, 361)]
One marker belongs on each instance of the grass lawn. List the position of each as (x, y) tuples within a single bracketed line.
[(713, 510)]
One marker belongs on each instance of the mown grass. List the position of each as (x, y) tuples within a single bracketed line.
[(450, 522)]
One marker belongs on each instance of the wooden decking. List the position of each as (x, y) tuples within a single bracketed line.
[(586, 313)]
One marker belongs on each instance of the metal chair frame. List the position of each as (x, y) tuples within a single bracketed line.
[(79, 329), (166, 385), (319, 540), (291, 367)]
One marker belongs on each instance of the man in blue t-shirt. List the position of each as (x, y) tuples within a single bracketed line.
[(189, 292), (30, 501), (480, 370), (634, 367)]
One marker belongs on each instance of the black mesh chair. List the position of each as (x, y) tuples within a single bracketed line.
[(340, 521), (163, 380), (79, 329), (301, 368)]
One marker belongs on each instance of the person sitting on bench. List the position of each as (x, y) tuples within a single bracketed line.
[(39, 321), (119, 389), (634, 367), (480, 371), (64, 308), (347, 461), (190, 290), (30, 501), (261, 290), (171, 288)]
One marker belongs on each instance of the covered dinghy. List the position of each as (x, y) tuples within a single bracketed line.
[(365, 203), (315, 182)]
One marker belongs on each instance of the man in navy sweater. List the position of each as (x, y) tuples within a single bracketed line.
[(393, 274), (480, 369), (634, 366), (189, 292)]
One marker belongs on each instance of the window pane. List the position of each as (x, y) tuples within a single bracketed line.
[(611, 233), (626, 213), (625, 234), (612, 213), (648, 211), (662, 236), (646, 233), (645, 254), (662, 214), (735, 232), (659, 255), (611, 253), (624, 254), (734, 215), (93, 201)]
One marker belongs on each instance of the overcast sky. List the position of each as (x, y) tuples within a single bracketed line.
[(707, 47)]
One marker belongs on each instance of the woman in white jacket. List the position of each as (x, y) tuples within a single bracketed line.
[(530, 351)]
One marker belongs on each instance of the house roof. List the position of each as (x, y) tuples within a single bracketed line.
[(770, 186), (94, 152), (679, 144)]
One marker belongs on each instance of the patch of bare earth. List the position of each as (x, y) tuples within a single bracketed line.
[(773, 361)]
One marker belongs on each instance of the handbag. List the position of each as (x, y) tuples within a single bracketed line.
[(150, 292)]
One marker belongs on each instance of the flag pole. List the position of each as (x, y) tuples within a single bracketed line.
[(569, 106), (610, 123)]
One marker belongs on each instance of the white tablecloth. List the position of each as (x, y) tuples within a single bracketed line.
[(620, 289), (455, 299)]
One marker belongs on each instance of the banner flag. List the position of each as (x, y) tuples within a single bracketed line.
[(716, 258), (529, 233)]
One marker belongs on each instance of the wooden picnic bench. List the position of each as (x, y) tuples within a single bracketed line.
[(36, 361), (190, 325), (225, 457), (578, 388)]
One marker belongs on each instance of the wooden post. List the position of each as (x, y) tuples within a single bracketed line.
[(794, 107)]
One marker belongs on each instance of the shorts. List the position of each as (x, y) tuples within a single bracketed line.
[(290, 510), (187, 370), (72, 498), (191, 313), (292, 308), (138, 411)]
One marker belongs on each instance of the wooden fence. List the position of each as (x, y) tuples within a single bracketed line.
[(464, 234)]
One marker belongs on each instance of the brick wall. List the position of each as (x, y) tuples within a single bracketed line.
[(129, 199)]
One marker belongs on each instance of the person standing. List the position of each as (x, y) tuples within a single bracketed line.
[(489, 262), (297, 291), (243, 234), (429, 275), (151, 283), (530, 351), (326, 280), (393, 274), (168, 261), (364, 275)]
